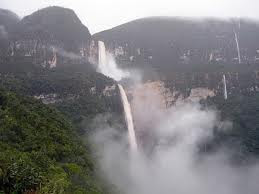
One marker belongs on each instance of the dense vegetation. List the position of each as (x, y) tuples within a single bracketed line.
[(243, 112), (36, 137), (39, 151), (78, 89)]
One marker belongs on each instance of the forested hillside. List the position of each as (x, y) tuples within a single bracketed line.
[(76, 90), (242, 111), (40, 151)]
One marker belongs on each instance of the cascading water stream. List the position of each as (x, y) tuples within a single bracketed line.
[(102, 59), (225, 88), (107, 64), (238, 49), (108, 67), (128, 119)]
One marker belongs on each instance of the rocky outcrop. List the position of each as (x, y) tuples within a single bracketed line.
[(8, 20), (184, 87)]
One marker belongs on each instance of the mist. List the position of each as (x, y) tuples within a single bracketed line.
[(62, 52), (128, 10), (107, 64), (112, 70), (174, 163), (169, 140)]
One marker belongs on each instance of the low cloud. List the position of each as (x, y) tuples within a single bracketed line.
[(175, 164), (169, 159), (111, 69), (67, 54)]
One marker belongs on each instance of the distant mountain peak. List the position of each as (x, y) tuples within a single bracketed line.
[(58, 23)]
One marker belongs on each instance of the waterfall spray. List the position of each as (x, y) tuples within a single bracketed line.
[(225, 88), (128, 119), (108, 67), (53, 62), (107, 64)]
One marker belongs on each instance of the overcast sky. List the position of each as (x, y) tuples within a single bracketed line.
[(99, 15)]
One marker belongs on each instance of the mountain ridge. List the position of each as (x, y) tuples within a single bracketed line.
[(175, 40), (58, 23)]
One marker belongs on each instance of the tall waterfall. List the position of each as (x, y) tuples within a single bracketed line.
[(238, 48), (102, 60), (108, 67), (128, 119), (225, 88)]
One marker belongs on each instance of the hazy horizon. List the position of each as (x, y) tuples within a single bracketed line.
[(99, 16)]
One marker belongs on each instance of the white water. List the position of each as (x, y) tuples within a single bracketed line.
[(238, 49), (128, 119), (225, 88), (107, 64), (53, 63), (102, 61)]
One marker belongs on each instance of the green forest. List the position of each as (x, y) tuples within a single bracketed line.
[(243, 136), (40, 151), (42, 147)]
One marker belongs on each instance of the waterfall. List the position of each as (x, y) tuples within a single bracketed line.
[(108, 67), (53, 62), (128, 119), (107, 64), (238, 49), (225, 88), (102, 61)]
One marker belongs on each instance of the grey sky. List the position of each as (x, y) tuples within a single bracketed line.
[(99, 15)]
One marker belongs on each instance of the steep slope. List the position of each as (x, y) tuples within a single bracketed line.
[(39, 152), (243, 112), (167, 41), (55, 24), (8, 20), (76, 90)]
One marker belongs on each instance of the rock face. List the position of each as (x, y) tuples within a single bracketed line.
[(200, 93), (155, 92), (182, 87), (8, 20), (168, 41)]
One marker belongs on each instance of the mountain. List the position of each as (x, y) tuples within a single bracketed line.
[(56, 24), (168, 41), (8, 20)]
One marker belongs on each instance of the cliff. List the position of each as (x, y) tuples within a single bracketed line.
[(175, 41)]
